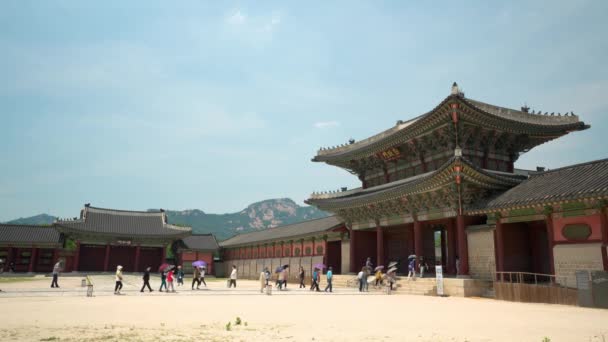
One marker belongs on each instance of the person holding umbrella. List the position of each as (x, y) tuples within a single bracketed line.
[(202, 276), (146, 279), (170, 280), (286, 276), (196, 278), (391, 277), (281, 278)]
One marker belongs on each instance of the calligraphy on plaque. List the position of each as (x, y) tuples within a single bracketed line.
[(390, 154)]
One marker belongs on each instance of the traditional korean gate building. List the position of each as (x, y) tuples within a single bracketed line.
[(443, 186), (106, 238), (300, 244), (29, 248)]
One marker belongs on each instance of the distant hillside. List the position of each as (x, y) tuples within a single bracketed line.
[(42, 219), (257, 216)]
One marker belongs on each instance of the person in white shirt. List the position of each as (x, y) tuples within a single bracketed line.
[(232, 277), (202, 276)]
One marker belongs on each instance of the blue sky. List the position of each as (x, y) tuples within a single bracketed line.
[(215, 105)]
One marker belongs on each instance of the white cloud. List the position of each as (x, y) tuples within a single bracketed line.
[(326, 124), (237, 18)]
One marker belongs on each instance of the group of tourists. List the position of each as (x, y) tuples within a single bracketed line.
[(282, 277), (365, 277)]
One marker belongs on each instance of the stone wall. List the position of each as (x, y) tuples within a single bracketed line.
[(569, 258), (345, 262), (251, 268), (482, 261)]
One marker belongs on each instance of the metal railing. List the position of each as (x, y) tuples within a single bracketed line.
[(534, 288), (529, 278)]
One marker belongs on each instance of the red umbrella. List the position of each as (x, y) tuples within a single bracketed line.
[(163, 267)]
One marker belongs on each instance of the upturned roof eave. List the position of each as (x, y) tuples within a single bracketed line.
[(369, 147), (288, 237), (73, 230), (435, 180)]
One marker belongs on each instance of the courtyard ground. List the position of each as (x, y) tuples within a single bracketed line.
[(31, 311)]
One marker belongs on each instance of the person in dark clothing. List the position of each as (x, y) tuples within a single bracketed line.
[(163, 281), (180, 276), (315, 281), (302, 275), (56, 270), (196, 278), (330, 275), (201, 279), (146, 279)]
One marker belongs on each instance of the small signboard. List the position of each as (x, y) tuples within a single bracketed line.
[(439, 277)]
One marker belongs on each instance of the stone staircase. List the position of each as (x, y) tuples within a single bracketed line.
[(419, 286)]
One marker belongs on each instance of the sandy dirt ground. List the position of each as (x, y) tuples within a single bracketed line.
[(294, 315)]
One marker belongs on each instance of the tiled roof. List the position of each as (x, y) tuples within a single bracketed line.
[(26, 234), (123, 223), (290, 231), (402, 131), (204, 242), (587, 180), (416, 184)]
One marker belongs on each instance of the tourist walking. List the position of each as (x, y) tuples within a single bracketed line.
[(56, 270), (366, 274), (391, 278), (180, 276), (196, 275), (411, 268), (263, 280), (315, 281), (201, 278), (163, 281), (457, 266), (281, 279), (302, 275), (369, 265), (423, 266), (267, 275), (329, 276), (378, 277), (232, 277), (361, 278), (146, 279), (170, 276), (118, 285)]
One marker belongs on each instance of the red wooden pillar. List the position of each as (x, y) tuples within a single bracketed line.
[(9, 258), (463, 249), (379, 245), (352, 249), (30, 267), (451, 246), (500, 247), (604, 228), (76, 256), (550, 240), (444, 248), (56, 256), (136, 265), (418, 247), (106, 259), (291, 252)]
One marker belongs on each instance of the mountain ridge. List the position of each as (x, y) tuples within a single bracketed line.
[(257, 216)]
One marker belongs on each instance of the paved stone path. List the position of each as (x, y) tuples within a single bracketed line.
[(70, 286)]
